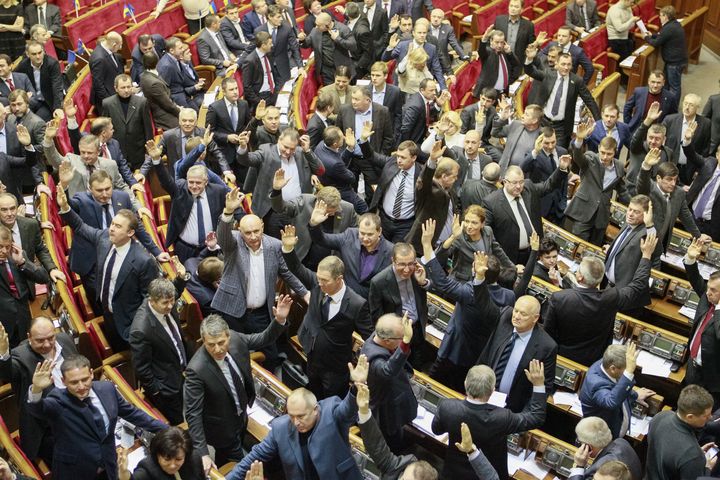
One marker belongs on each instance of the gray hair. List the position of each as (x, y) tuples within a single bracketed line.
[(308, 397), (480, 382), (592, 270), (594, 432), (614, 356), (161, 288), (213, 326)]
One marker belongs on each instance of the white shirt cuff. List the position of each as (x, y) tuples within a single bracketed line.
[(687, 261), (629, 376), (474, 454), (364, 417), (577, 471), (226, 218), (72, 123), (33, 397), (241, 150), (425, 260), (540, 389), (6, 356)]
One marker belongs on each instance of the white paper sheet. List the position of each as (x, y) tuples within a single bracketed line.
[(568, 398), (654, 365), (432, 330), (515, 461), (641, 25), (534, 468), (687, 311), (134, 458), (423, 422), (260, 415), (498, 399), (208, 99), (628, 62), (639, 426)]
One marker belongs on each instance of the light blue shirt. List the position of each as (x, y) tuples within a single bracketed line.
[(360, 119), (379, 97), (518, 350), (3, 140)]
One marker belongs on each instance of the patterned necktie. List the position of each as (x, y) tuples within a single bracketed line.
[(702, 202), (504, 359), (11, 279), (178, 340), (397, 206)]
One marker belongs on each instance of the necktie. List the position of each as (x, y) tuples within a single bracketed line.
[(584, 18), (427, 114), (96, 415), (397, 206), (268, 72), (238, 384), (503, 69), (504, 358), (233, 116), (552, 161), (262, 19), (386, 7), (326, 308), (106, 214), (558, 97), (10, 83), (525, 219), (105, 151), (274, 36), (178, 340), (697, 339), (90, 169), (11, 280), (221, 44), (41, 15), (618, 243), (200, 220), (702, 202), (105, 297)]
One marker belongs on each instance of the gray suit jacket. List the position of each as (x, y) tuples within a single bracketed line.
[(474, 191), (36, 127), (52, 18), (627, 260), (231, 294), (512, 132), (619, 450), (164, 110), (300, 209), (131, 130), (573, 18), (712, 111), (267, 160), (209, 51)]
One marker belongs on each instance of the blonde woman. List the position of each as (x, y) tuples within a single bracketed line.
[(448, 128), (12, 42), (412, 70)]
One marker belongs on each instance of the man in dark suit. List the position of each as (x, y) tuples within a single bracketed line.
[(609, 126), (109, 148), (387, 350), (393, 8), (320, 119), (19, 103), (500, 66), (334, 312), (285, 53), (711, 111), (670, 39), (702, 366), (232, 32), (687, 125), (703, 196), (105, 65), (581, 319), (579, 58), (18, 365), (252, 20), (469, 158), (519, 32), (386, 94), (473, 192), (185, 87), (360, 28), (479, 116), (379, 24), (444, 37), (146, 43), (420, 111), (10, 81), (514, 211), (125, 269), (639, 103), (228, 117), (18, 156), (560, 88), (361, 110), (336, 161), (597, 442), (489, 425), (163, 108), (40, 12), (159, 351), (607, 390), (539, 164), (219, 386), (212, 48), (261, 79), (83, 418), (205, 279), (582, 15), (600, 175), (44, 73), (418, 8), (130, 116), (398, 50), (327, 30)]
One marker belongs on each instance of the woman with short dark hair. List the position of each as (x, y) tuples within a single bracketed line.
[(171, 457)]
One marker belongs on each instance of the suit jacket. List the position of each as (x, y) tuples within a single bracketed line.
[(378, 31), (512, 131), (703, 177), (383, 138), (414, 119), (52, 18), (181, 84), (329, 344), (209, 51), (18, 369), (34, 246), (396, 7), (525, 35), (578, 58), (104, 67), (489, 427), (345, 45), (80, 446), (21, 82), (348, 246), (51, 83), (384, 296), (417, 6), (474, 191), (467, 117), (364, 42), (539, 169), (154, 354), (574, 18), (137, 63), (131, 130), (253, 77), (712, 111), (202, 292), (393, 100), (634, 109), (239, 46), (445, 41), (373, 162), (600, 132), (285, 53), (620, 450), (581, 319), (16, 160), (327, 445), (137, 271), (700, 143), (709, 346), (164, 110), (250, 21), (172, 147), (36, 128), (337, 171), (462, 253), (299, 211), (605, 397), (315, 129), (218, 117), (392, 400), (639, 148), (491, 68), (502, 220), (627, 260), (433, 62), (210, 409), (16, 308), (267, 160)]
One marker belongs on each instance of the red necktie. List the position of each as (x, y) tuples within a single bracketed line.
[(268, 72), (697, 339), (503, 68), (106, 151), (427, 114), (10, 84), (262, 19), (11, 280)]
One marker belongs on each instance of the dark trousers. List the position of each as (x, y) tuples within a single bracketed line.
[(622, 47), (589, 232), (705, 226), (112, 334), (274, 222), (194, 26), (17, 325), (256, 321), (88, 283), (449, 374), (232, 452), (673, 77), (694, 375), (395, 230), (324, 383), (184, 250), (269, 97), (170, 405)]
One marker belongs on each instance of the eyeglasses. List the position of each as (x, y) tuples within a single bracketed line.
[(405, 265)]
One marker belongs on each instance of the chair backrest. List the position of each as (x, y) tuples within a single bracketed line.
[(170, 22), (466, 76)]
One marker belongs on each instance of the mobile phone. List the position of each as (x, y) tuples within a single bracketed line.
[(712, 453)]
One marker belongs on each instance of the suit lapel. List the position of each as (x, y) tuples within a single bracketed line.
[(125, 268), (160, 330), (215, 368), (131, 109)]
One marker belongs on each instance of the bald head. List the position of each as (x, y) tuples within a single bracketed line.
[(526, 313), (389, 325), (251, 230), (113, 41), (41, 336), (491, 172)]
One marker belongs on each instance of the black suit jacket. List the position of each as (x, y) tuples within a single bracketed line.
[(382, 169), (286, 51), (378, 31), (700, 143), (581, 319), (709, 344), (315, 129), (393, 100), (364, 40), (164, 110), (51, 84), (385, 297), (33, 245), (467, 117), (525, 36), (18, 369), (22, 82), (133, 129), (137, 65), (627, 260), (218, 117), (382, 140), (712, 112), (414, 124), (703, 177), (578, 58), (210, 409), (490, 68), (473, 192), (103, 71), (618, 450), (52, 18), (232, 39), (253, 75), (149, 469)]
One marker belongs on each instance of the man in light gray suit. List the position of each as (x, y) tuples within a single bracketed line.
[(520, 133), (299, 210), (253, 262), (299, 163), (212, 48)]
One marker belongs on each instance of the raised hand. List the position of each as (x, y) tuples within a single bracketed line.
[(531, 52), (653, 157), (536, 373), (60, 198), (538, 144), (488, 31), (4, 342), (648, 218), (631, 356), (261, 110), (367, 131), (51, 129), (281, 310), (301, 36), (420, 274), (694, 250), (69, 108), (584, 129), (564, 162), (394, 40), (359, 373), (407, 329), (23, 135), (178, 265), (153, 150), (42, 378), (428, 232), (243, 140), (350, 141), (394, 22), (319, 213), (582, 455), (233, 201), (207, 136), (437, 151), (457, 226), (480, 265), (654, 112), (689, 131), (466, 443), (66, 172), (255, 472), (288, 237), (541, 38), (279, 180), (305, 143), (647, 245), (534, 241)]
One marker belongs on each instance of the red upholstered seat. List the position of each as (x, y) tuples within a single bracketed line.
[(465, 82), (551, 21), (94, 23), (646, 10), (170, 22), (308, 90)]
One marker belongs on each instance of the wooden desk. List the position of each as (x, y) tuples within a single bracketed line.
[(645, 62)]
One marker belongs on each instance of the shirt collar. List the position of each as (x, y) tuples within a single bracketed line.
[(338, 296), (228, 104), (157, 314), (124, 248), (525, 335), (58, 353), (607, 374)]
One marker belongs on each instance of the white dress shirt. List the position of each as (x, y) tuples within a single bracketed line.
[(256, 293), (524, 240), (190, 232), (407, 207), (119, 259), (563, 99), (335, 301), (161, 318)]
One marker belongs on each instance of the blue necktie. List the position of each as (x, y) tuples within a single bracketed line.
[(558, 97), (105, 300), (705, 198), (504, 359), (200, 221), (616, 248)]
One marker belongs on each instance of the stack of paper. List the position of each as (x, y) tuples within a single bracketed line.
[(568, 398), (432, 330), (628, 62), (260, 415), (654, 365), (423, 422), (639, 426)]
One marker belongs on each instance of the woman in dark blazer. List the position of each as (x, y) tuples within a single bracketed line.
[(469, 237), (171, 452)]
